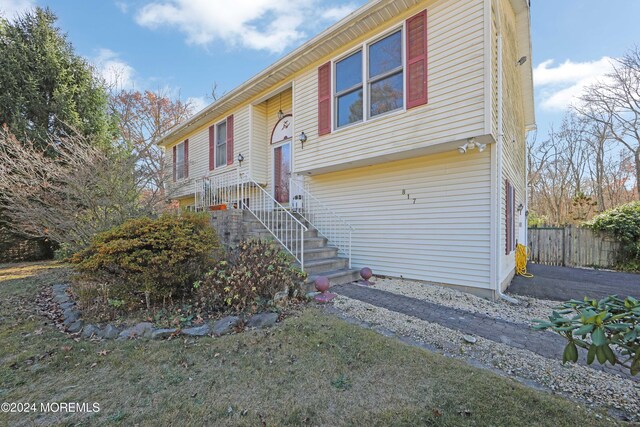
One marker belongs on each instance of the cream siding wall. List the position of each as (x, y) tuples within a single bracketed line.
[(514, 144), (444, 237), (456, 96), (259, 145), (199, 152)]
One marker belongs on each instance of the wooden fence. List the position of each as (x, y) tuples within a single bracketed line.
[(572, 246)]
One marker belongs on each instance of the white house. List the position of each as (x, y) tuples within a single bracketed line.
[(395, 139)]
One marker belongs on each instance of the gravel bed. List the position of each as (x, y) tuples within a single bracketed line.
[(528, 309), (592, 387)]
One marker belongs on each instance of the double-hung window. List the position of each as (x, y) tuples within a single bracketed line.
[(221, 144), (383, 75), (349, 89), (181, 170)]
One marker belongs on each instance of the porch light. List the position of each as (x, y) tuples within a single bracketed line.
[(240, 159), (463, 148), (280, 115), (302, 138), (520, 207)]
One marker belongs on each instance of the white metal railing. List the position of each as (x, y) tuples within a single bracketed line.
[(337, 231), (281, 223), (217, 190)]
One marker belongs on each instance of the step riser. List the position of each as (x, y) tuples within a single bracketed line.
[(326, 253), (347, 277), (329, 266), (314, 243), (262, 230)]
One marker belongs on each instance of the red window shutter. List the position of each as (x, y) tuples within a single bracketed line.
[(324, 99), (186, 158), (212, 146), (416, 66), (507, 208), (230, 140), (175, 151)]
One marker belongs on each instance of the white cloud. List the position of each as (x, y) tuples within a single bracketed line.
[(560, 86), (116, 72), (13, 8), (198, 103), (124, 7), (271, 25)]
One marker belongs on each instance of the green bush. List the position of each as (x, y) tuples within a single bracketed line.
[(623, 223), (250, 279), (150, 260), (608, 329)]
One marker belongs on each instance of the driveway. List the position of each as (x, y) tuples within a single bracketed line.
[(564, 283)]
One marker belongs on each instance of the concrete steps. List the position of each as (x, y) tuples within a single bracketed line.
[(320, 259)]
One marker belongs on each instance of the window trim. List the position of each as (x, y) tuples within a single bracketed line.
[(364, 47), (399, 69), (215, 145)]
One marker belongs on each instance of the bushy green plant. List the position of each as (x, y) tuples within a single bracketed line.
[(608, 329), (250, 279), (623, 223), (156, 259)]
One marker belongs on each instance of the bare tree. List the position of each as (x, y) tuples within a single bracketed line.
[(143, 117), (615, 103), (66, 191)]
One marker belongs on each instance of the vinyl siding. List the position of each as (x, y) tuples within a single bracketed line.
[(199, 153), (259, 143), (513, 128), (455, 92), (444, 237)]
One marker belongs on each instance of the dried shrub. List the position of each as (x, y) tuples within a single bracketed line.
[(250, 279), (150, 260)]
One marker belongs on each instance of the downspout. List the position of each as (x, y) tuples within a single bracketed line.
[(499, 142)]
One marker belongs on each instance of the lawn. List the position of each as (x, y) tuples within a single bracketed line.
[(314, 369)]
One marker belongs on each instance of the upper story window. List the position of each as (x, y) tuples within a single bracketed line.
[(384, 76), (221, 144), (180, 161), (349, 89)]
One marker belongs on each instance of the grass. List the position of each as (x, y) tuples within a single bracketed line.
[(314, 369)]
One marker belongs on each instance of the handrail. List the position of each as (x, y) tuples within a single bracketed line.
[(282, 224), (337, 231), (216, 190)]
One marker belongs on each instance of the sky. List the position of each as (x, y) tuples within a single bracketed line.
[(187, 46)]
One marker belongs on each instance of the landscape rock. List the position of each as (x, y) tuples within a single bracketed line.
[(141, 330), (75, 327), (66, 305), (60, 298), (89, 331), (60, 287), (159, 334), (225, 325), (470, 339), (196, 331), (109, 332), (70, 316), (262, 320)]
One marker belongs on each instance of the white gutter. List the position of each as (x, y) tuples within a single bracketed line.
[(499, 143)]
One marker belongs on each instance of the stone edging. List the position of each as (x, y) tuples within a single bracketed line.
[(73, 324)]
